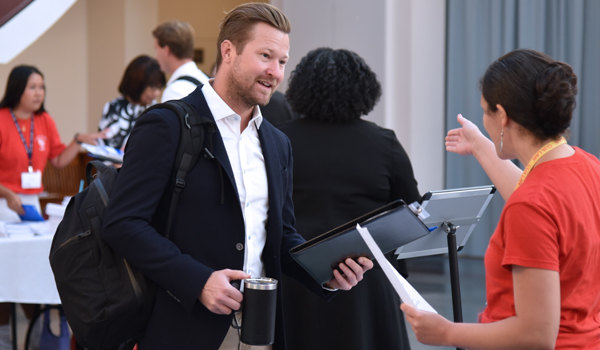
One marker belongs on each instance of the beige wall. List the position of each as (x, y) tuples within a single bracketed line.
[(106, 54), (141, 17), (118, 31)]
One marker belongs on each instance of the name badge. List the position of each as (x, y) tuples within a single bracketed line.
[(31, 180)]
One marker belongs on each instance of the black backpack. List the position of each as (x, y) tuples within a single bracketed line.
[(189, 78), (108, 302)]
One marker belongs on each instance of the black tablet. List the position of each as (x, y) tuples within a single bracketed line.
[(391, 226)]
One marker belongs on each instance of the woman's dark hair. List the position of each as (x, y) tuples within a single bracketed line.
[(142, 72), (536, 91), (15, 86), (333, 85)]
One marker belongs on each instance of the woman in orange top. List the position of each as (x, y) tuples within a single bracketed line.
[(543, 260), (28, 138)]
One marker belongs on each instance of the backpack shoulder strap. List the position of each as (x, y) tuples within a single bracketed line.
[(191, 144), (190, 79)]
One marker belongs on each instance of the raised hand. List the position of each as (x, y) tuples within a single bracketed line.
[(463, 140)]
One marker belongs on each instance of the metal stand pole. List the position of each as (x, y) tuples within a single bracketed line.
[(450, 229), (13, 324)]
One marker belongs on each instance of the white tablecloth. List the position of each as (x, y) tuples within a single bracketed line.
[(25, 274)]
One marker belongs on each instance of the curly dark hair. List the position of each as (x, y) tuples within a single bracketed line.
[(536, 91), (333, 85)]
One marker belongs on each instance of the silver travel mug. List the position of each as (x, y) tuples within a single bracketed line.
[(258, 311)]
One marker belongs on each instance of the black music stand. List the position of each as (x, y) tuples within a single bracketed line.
[(453, 215)]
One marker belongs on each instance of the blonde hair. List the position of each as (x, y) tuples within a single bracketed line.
[(237, 24)]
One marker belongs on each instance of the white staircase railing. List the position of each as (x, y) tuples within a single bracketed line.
[(28, 25)]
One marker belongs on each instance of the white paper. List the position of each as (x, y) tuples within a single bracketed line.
[(16, 230), (106, 152), (21, 229), (56, 210), (31, 180), (42, 228), (407, 293)]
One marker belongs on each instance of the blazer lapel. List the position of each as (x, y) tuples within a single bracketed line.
[(196, 99), (273, 167)]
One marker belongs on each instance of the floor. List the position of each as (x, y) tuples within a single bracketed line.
[(22, 325), (430, 276)]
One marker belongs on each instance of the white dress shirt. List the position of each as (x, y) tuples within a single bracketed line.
[(177, 89), (248, 165)]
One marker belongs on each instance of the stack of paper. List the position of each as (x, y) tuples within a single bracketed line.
[(55, 213), (3, 232), (42, 228), (8, 229)]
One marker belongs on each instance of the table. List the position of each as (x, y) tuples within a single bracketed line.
[(25, 273)]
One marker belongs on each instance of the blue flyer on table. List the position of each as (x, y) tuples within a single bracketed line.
[(31, 214)]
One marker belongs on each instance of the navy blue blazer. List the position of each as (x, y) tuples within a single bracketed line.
[(207, 235)]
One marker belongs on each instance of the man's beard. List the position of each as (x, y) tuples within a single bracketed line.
[(244, 94)]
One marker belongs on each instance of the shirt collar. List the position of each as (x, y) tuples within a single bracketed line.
[(220, 109), (184, 69)]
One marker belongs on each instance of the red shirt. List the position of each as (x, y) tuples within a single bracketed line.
[(13, 156), (552, 222)]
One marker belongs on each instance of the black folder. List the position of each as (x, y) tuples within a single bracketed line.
[(391, 226)]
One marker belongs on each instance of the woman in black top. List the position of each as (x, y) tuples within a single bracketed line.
[(140, 88), (344, 167)]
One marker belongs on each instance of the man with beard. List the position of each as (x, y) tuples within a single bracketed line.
[(235, 215)]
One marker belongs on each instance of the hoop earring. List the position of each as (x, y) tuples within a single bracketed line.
[(501, 139)]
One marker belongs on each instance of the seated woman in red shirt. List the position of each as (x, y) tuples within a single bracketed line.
[(543, 261), (28, 138)]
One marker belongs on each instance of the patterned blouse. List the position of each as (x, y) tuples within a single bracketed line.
[(119, 115)]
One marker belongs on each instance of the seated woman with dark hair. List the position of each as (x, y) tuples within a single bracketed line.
[(140, 88), (29, 139), (543, 261), (344, 167)]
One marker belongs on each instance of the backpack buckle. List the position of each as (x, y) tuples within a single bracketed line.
[(208, 154), (180, 183), (187, 122)]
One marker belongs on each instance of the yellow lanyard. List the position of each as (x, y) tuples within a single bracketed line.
[(547, 148)]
